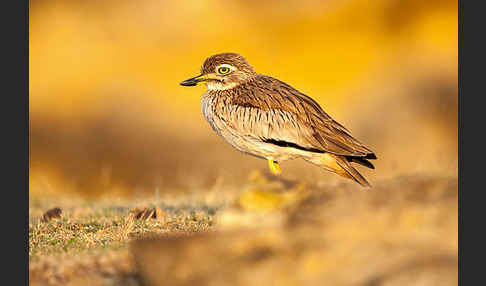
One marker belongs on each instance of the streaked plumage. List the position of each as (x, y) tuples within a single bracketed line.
[(265, 117)]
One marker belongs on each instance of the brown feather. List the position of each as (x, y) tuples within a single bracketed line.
[(317, 130)]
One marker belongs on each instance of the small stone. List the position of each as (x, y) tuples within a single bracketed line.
[(148, 213), (52, 213)]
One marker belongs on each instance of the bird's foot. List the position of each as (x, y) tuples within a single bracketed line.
[(274, 167)]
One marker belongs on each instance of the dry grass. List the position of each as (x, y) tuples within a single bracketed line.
[(90, 240)]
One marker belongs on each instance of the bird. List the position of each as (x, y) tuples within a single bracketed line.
[(267, 118)]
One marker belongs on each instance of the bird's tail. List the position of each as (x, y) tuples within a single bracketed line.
[(339, 165), (351, 172)]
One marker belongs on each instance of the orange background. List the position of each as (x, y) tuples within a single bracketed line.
[(107, 113)]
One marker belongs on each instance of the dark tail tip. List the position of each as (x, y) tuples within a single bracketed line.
[(371, 156), (352, 172), (361, 161)]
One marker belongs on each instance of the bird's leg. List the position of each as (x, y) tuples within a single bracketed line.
[(274, 167)]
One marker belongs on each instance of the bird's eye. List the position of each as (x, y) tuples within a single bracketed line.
[(223, 70)]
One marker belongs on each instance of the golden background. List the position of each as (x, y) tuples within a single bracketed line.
[(108, 116)]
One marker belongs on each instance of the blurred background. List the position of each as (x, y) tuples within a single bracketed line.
[(108, 116)]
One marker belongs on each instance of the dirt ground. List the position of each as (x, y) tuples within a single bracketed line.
[(271, 232)]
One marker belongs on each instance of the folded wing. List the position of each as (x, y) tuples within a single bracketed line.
[(277, 113)]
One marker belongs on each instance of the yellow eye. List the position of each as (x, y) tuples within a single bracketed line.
[(223, 70)]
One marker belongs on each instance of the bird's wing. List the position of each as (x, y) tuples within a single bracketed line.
[(277, 113)]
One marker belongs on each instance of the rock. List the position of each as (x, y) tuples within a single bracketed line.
[(51, 214), (147, 213)]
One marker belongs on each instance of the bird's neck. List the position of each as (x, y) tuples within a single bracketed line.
[(224, 86), (221, 86)]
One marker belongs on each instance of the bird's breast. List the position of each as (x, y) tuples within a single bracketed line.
[(212, 110)]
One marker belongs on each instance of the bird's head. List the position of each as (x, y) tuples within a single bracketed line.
[(222, 72)]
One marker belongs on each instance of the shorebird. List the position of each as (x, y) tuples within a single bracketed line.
[(262, 116)]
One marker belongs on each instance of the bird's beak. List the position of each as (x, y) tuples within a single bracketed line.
[(194, 81)]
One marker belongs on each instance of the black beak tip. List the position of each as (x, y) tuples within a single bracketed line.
[(188, 83)]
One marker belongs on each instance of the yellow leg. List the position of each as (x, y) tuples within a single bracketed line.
[(274, 167)]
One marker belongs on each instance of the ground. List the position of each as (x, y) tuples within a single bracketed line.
[(90, 240), (401, 232)]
